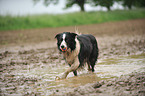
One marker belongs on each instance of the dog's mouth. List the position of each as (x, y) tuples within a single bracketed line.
[(64, 49)]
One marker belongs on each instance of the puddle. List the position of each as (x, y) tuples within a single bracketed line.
[(105, 69), (120, 66)]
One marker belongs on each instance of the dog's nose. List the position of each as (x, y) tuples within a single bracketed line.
[(62, 46)]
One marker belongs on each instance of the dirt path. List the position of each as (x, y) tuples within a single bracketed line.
[(29, 60)]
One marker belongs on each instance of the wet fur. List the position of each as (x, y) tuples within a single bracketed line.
[(81, 49)]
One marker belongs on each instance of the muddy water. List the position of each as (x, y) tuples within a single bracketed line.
[(105, 69), (121, 65)]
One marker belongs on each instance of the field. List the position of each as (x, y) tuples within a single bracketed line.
[(30, 61), (73, 19)]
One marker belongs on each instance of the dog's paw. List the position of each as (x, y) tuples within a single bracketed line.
[(60, 78), (57, 78), (89, 69)]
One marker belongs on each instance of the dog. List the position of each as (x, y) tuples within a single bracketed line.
[(77, 50)]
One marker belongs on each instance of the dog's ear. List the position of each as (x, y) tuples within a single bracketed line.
[(73, 35), (57, 36)]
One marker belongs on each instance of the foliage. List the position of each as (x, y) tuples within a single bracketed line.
[(81, 3), (140, 3), (130, 3), (105, 3), (69, 3), (73, 19), (46, 2)]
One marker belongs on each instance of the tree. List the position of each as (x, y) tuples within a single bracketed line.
[(69, 3), (139, 3), (105, 3), (130, 3), (81, 4), (46, 2)]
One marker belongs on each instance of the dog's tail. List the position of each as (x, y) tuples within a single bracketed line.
[(77, 31)]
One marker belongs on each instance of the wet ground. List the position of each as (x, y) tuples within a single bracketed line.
[(31, 68)]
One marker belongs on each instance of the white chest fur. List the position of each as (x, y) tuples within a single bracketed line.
[(72, 56)]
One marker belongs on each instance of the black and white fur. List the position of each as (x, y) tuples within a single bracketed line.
[(81, 49)]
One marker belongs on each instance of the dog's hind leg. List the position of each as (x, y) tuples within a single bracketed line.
[(93, 56), (91, 63), (88, 63)]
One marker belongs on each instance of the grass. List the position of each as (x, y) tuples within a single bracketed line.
[(71, 19)]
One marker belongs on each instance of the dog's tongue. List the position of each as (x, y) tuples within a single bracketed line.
[(64, 49)]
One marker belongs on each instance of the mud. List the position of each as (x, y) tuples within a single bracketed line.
[(29, 67), (130, 85)]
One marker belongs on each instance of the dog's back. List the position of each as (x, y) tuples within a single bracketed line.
[(89, 50)]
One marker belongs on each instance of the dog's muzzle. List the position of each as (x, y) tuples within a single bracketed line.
[(63, 48)]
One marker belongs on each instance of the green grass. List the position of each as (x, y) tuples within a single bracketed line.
[(71, 19)]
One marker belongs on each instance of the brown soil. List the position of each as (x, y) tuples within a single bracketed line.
[(22, 48), (122, 28)]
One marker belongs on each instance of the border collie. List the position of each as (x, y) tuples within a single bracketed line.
[(77, 50)]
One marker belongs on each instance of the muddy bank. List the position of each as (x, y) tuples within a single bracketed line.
[(30, 69)]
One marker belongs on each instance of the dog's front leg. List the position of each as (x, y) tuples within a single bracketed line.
[(73, 67)]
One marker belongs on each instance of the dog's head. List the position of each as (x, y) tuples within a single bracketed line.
[(65, 41)]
